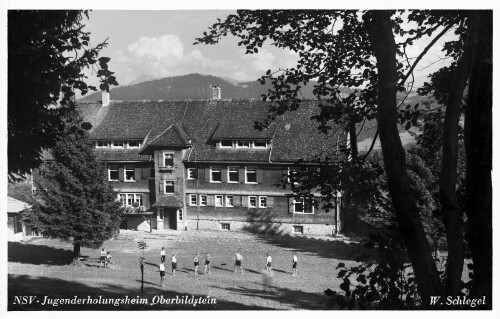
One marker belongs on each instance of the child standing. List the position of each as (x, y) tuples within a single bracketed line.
[(174, 264), (162, 254), (207, 263), (294, 265), (162, 273), (102, 260), (238, 261), (269, 263), (196, 264)]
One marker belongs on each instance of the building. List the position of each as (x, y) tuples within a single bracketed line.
[(201, 164)]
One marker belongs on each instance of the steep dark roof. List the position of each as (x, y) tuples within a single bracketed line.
[(174, 136), (294, 135), (169, 201), (121, 155)]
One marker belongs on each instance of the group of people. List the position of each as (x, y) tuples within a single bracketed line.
[(238, 261), (105, 258)]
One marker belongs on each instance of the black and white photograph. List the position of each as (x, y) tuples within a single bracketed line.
[(248, 156)]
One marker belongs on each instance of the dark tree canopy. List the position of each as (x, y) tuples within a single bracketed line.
[(74, 201), (47, 55)]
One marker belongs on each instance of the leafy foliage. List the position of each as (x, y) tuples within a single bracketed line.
[(48, 53), (74, 201)]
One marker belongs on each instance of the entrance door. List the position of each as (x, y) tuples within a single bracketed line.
[(170, 219)]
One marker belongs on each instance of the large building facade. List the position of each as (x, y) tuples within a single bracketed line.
[(201, 164)]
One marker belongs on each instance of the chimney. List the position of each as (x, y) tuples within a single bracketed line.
[(216, 93), (105, 98)]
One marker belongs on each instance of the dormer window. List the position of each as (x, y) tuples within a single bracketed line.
[(242, 144), (117, 144), (102, 144), (226, 144), (259, 144), (134, 144)]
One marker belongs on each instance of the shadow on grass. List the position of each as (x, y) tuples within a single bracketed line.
[(266, 227), (27, 253), (19, 285), (295, 298), (220, 268), (281, 271)]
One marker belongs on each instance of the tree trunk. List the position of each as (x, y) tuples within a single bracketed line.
[(353, 138), (76, 253), (382, 40), (453, 216), (478, 150)]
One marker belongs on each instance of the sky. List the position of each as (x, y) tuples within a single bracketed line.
[(159, 43)]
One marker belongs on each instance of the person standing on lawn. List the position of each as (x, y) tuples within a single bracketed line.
[(162, 273), (207, 263), (294, 266), (196, 264), (102, 259), (269, 263), (162, 254), (238, 261), (174, 264)]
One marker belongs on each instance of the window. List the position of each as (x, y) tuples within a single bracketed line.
[(215, 175), (191, 173), (203, 200), (169, 187), (179, 214), (134, 144), (250, 175), (134, 200), (218, 201), (242, 144), (160, 213), (262, 201), (152, 173), (259, 144), (129, 173), (102, 144), (168, 160), (226, 144), (192, 200), (302, 206), (232, 174), (229, 201), (113, 173), (252, 201), (298, 229), (225, 226), (117, 144)]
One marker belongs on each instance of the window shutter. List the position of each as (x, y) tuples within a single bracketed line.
[(159, 159), (137, 173), (270, 201), (210, 200), (244, 201), (121, 173), (242, 175), (161, 190), (260, 177), (224, 175), (290, 205), (207, 174), (188, 200), (201, 174), (236, 200), (285, 174), (195, 173), (145, 172), (176, 159)]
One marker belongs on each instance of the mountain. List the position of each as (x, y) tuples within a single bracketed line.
[(141, 78), (191, 86)]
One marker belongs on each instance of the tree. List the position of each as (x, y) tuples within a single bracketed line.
[(48, 52), (74, 201), (362, 54)]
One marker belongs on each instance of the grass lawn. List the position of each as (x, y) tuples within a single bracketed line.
[(40, 268)]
